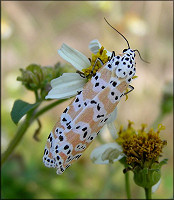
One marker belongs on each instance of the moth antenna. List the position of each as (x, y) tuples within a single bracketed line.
[(140, 56), (118, 32)]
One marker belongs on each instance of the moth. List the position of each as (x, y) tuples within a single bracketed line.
[(82, 120)]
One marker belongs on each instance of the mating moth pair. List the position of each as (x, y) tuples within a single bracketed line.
[(83, 119)]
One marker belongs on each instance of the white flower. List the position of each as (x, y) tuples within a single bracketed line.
[(107, 153), (68, 84)]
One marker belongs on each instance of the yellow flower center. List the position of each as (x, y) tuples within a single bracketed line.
[(102, 55), (141, 146)]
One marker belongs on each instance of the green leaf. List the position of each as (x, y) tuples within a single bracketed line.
[(163, 162), (20, 108)]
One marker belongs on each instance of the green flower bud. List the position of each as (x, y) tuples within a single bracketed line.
[(147, 177), (36, 77), (31, 77)]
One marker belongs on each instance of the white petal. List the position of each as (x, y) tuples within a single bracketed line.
[(94, 46), (113, 116), (112, 129), (66, 86), (111, 125), (77, 59), (107, 153), (156, 186)]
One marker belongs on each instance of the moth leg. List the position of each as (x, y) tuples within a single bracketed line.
[(131, 89), (98, 59), (113, 54), (37, 131), (81, 74)]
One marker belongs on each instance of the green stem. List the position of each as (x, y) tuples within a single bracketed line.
[(30, 118), (19, 134), (127, 184), (48, 107), (36, 95), (148, 193)]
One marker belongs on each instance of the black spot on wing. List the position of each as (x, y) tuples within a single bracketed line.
[(98, 107), (99, 116), (97, 84), (85, 134), (96, 77), (109, 66), (117, 62), (77, 127), (77, 100), (69, 127), (84, 129), (93, 102), (64, 119), (65, 111), (66, 147)]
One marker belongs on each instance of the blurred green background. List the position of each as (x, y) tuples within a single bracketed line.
[(31, 33)]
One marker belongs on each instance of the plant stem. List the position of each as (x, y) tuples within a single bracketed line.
[(48, 107), (30, 118), (36, 95), (17, 138), (148, 193), (127, 185)]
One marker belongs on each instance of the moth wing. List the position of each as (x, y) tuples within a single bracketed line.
[(57, 140)]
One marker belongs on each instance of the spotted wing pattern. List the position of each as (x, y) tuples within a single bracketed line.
[(88, 112)]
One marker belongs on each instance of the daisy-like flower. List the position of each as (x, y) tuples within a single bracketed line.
[(141, 150), (69, 84)]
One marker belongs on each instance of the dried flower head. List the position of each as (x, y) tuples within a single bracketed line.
[(142, 150), (141, 147)]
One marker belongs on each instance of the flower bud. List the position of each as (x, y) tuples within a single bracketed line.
[(148, 176), (36, 77)]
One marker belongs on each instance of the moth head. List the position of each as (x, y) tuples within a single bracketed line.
[(125, 65), (129, 51)]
